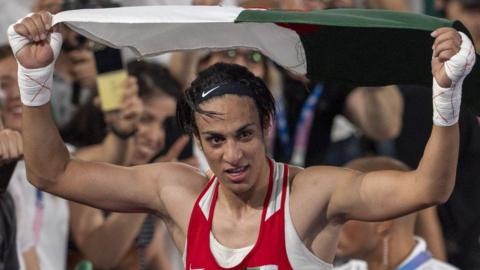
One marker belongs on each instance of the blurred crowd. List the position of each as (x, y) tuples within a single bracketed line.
[(41, 231)]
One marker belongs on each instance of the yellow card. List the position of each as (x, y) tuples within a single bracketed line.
[(110, 88)]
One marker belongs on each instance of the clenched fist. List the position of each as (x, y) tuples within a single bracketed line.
[(11, 146)]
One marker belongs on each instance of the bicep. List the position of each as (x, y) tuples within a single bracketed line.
[(114, 188), (375, 196), (341, 194)]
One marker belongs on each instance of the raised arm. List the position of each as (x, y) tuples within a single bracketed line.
[(49, 165), (388, 194)]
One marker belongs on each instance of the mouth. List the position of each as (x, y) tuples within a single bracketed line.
[(237, 174)]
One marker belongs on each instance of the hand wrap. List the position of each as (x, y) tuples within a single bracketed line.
[(447, 101), (35, 84)]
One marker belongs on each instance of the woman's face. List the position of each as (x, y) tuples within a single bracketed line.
[(12, 106), (150, 137), (233, 141)]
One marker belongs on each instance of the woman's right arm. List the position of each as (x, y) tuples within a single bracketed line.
[(49, 165)]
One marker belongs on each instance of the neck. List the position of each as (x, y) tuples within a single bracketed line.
[(398, 249), (239, 203)]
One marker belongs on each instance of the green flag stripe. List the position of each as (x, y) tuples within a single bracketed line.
[(347, 18), (369, 47)]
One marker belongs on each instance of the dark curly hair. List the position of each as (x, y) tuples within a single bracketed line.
[(153, 79), (222, 73)]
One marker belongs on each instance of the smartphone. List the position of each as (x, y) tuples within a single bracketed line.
[(111, 77), (173, 132)]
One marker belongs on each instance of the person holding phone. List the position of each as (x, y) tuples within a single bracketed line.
[(144, 241)]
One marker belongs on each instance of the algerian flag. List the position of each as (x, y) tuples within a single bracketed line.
[(365, 47)]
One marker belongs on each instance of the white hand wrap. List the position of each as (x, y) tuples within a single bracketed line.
[(35, 84), (447, 101)]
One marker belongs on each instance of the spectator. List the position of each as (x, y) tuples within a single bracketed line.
[(131, 240), (390, 244), (10, 152), (41, 217)]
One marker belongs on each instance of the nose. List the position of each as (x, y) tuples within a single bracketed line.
[(233, 154)]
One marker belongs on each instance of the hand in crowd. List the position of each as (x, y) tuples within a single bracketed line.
[(447, 44), (175, 150), (11, 145), (126, 118), (83, 69)]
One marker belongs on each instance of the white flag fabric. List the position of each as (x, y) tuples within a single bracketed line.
[(151, 30)]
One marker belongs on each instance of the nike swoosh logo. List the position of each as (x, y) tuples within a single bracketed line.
[(204, 94)]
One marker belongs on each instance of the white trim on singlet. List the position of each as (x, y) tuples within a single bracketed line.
[(277, 188), (299, 256), (206, 202), (227, 257)]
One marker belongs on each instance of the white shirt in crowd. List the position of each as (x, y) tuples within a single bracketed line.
[(430, 264), (47, 229)]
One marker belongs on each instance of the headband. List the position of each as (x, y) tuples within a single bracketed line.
[(224, 88)]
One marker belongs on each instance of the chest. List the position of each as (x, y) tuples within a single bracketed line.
[(236, 232)]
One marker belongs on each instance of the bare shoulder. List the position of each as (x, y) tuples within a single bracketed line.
[(313, 187), (173, 174), (179, 186), (313, 184), (324, 177)]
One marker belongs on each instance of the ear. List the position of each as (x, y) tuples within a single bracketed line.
[(384, 228)]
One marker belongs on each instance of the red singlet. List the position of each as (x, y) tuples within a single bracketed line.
[(269, 252)]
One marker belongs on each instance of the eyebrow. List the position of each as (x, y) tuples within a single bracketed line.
[(242, 128)]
